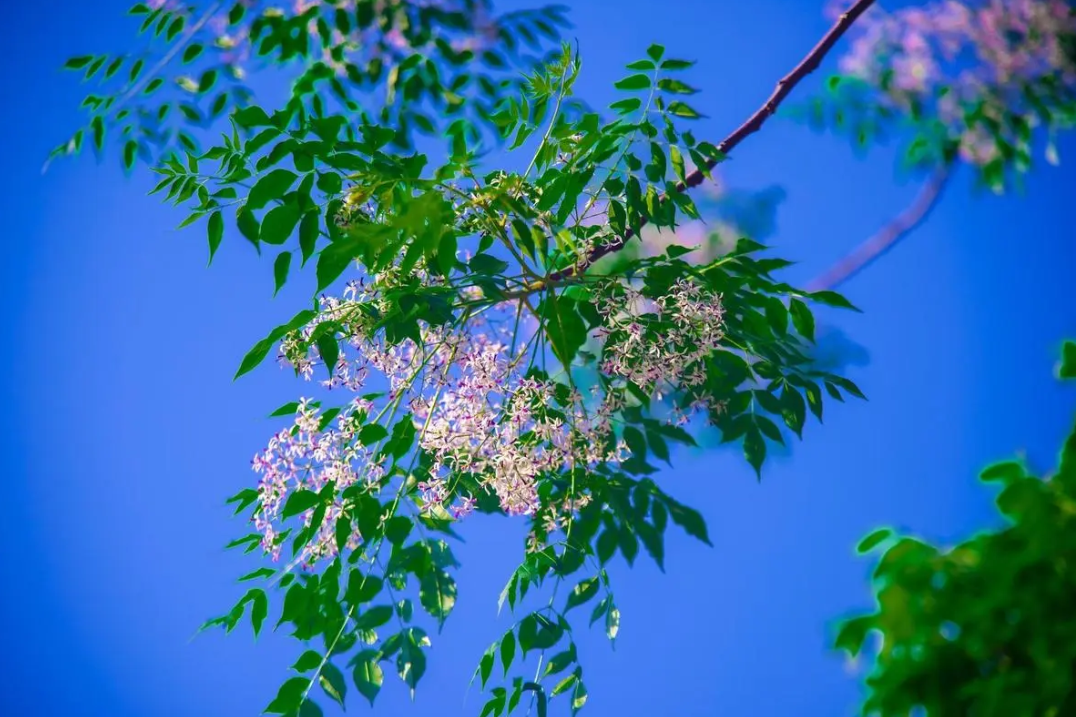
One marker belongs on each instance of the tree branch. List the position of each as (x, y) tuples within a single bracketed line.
[(901, 225), (749, 127)]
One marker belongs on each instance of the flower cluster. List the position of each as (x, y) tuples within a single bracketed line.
[(961, 54), (660, 345), (510, 430), (476, 412), (309, 456)]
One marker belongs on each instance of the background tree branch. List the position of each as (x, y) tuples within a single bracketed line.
[(749, 127), (901, 225)]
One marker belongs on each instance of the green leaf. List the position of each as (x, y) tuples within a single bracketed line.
[(626, 105), (367, 675), (852, 634), (832, 298), (216, 233), (248, 226), (309, 229), (564, 326), (633, 82), (252, 117), (802, 319), (677, 160), (538, 632), (655, 52), (130, 149), (279, 223), (1004, 471), (333, 260), (688, 519), (298, 502), (485, 665), (1068, 360), (676, 64), (675, 87), (437, 593), (329, 350), (508, 651), (272, 186), (280, 270), (259, 608), (374, 617), (288, 409), (581, 593), (612, 622), (371, 433), (257, 354), (259, 573), (487, 264), (77, 63), (289, 696), (873, 540), (754, 449), (681, 109), (307, 661), (333, 683)]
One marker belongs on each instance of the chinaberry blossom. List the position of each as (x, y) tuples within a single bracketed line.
[(660, 345), (309, 456), (954, 55)]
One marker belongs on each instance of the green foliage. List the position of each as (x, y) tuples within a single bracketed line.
[(436, 245), (984, 627)]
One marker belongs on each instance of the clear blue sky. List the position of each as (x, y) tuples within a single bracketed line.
[(123, 432)]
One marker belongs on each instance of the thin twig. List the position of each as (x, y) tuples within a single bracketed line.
[(749, 127), (900, 226)]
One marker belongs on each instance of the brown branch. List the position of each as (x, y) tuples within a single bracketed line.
[(752, 125), (901, 225)]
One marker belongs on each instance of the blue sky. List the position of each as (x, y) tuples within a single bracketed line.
[(124, 431)]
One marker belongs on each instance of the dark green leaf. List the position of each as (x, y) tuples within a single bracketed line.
[(367, 675), (633, 82), (272, 186), (581, 593), (437, 593), (333, 683), (280, 270), (299, 502), (289, 696), (216, 233), (873, 540)]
